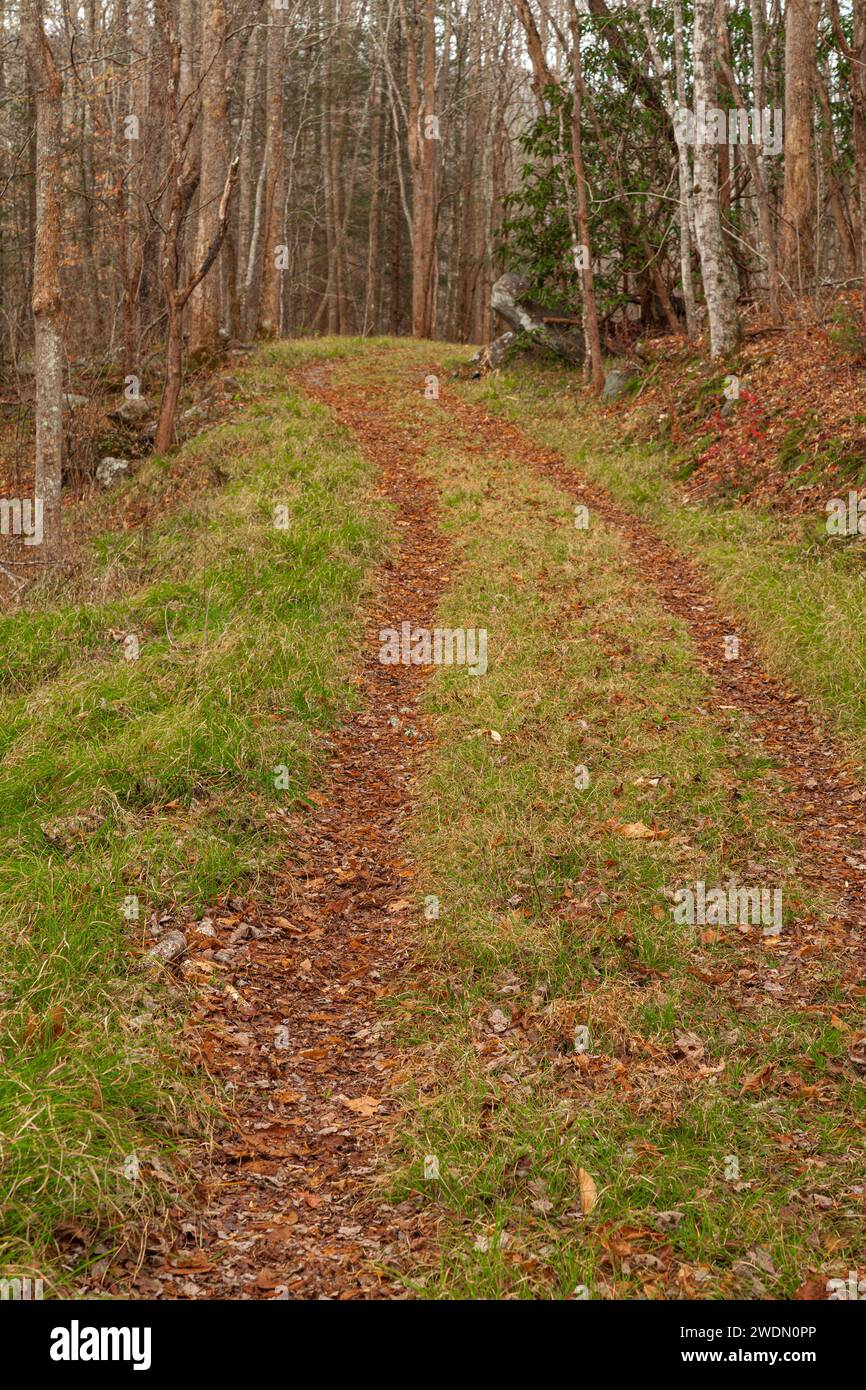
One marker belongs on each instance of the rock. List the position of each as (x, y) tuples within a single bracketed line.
[(132, 412), (108, 470), (617, 382), (488, 358), (511, 299), (528, 321), (73, 402), (168, 948)]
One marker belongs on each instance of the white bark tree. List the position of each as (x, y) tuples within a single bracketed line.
[(720, 284), (47, 90)]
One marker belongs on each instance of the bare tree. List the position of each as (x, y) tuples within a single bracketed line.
[(181, 183), (205, 299), (47, 302), (797, 248), (590, 312)]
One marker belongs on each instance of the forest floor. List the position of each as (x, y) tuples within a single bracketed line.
[(463, 1046)]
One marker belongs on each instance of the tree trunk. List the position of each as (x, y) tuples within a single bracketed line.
[(755, 152), (46, 299), (180, 187), (590, 311), (205, 302), (720, 286), (374, 269), (797, 250), (272, 233), (683, 170), (423, 143), (686, 212)]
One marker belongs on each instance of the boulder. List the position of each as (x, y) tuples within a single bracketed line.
[(73, 402), (132, 412), (531, 322), (617, 382), (108, 470)]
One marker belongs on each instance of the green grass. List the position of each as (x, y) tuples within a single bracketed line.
[(155, 777), (801, 594), (551, 919)]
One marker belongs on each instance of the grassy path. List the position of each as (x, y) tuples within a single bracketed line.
[(617, 1101), (460, 1035)]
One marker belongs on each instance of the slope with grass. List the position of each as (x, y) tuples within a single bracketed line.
[(162, 708)]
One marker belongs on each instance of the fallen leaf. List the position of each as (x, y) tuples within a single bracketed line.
[(757, 1078), (636, 830), (668, 1220), (588, 1191), (690, 1045), (361, 1105)]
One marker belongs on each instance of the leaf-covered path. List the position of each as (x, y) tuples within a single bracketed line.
[(299, 1035), (699, 1046)]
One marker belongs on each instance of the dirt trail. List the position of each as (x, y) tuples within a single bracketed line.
[(288, 1205), (289, 1201)]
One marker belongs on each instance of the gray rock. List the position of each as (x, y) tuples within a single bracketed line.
[(108, 470), (168, 948), (132, 412), (494, 354), (510, 298), (617, 382), (73, 402)]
